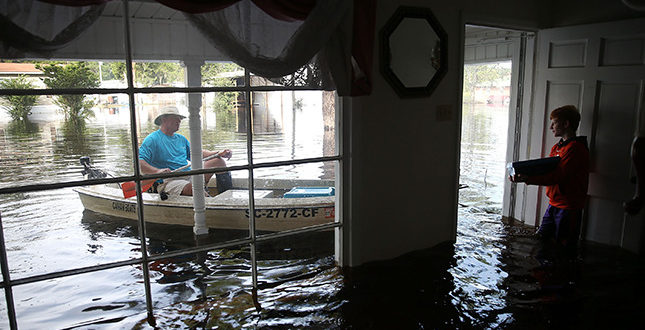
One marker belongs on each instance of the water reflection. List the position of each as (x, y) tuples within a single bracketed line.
[(50, 152), (294, 290), (75, 140), (483, 154), (22, 128), (477, 273), (296, 278)]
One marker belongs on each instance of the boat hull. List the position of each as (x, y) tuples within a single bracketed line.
[(225, 211)]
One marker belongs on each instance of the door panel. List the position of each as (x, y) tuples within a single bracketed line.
[(559, 93), (617, 111), (605, 225), (600, 68), (563, 93), (567, 54), (623, 50)]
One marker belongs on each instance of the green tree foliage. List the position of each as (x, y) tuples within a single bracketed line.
[(103, 69), (224, 103), (72, 75), (117, 69), (148, 73), (18, 106), (482, 75), (158, 73)]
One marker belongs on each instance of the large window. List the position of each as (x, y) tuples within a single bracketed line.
[(77, 253)]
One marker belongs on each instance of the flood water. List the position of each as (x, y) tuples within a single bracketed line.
[(493, 276)]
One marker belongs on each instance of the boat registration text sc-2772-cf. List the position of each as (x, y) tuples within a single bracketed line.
[(291, 212)]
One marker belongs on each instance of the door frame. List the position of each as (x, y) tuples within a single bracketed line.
[(522, 74)]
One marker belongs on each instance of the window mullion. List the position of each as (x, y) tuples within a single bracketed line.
[(6, 279), (249, 151), (135, 160)]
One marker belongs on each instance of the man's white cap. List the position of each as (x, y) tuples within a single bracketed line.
[(168, 110)]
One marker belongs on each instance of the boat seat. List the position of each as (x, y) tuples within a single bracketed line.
[(242, 194)]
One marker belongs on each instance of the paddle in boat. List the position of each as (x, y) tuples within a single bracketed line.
[(280, 204)]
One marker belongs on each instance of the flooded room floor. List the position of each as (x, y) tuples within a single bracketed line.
[(601, 288), (494, 276)]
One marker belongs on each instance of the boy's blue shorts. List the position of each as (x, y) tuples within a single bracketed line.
[(561, 225)]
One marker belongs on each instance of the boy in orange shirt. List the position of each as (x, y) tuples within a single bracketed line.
[(567, 184)]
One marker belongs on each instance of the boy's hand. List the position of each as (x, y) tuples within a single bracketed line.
[(517, 178)]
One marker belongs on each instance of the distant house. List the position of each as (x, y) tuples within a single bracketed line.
[(14, 70), (496, 93), (44, 108)]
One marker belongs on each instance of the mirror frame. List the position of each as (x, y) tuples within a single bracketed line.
[(386, 54)]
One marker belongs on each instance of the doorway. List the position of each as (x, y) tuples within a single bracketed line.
[(485, 112), (493, 65), (490, 101)]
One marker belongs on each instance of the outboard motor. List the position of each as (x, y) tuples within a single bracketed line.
[(91, 172)]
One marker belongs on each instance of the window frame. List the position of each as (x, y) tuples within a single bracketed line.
[(252, 240)]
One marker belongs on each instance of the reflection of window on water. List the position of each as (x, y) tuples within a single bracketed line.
[(113, 99)]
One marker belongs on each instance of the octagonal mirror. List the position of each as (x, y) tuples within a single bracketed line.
[(413, 52)]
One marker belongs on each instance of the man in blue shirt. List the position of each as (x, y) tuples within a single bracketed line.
[(163, 151)]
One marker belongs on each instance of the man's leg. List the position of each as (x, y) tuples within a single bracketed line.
[(188, 189), (224, 181), (211, 163), (174, 186)]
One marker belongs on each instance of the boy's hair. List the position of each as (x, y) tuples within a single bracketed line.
[(569, 113)]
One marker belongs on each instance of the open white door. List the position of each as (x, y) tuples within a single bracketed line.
[(600, 68)]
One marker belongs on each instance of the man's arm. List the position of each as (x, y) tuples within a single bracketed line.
[(149, 169), (226, 153)]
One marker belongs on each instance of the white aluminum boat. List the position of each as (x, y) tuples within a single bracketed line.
[(228, 210)]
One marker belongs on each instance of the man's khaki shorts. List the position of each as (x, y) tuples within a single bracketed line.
[(173, 186)]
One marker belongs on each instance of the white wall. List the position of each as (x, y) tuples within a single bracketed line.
[(404, 160)]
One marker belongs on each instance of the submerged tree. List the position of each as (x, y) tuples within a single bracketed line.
[(103, 69), (77, 107), (158, 73), (149, 73), (23, 128), (116, 69), (18, 106), (482, 75), (224, 103)]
